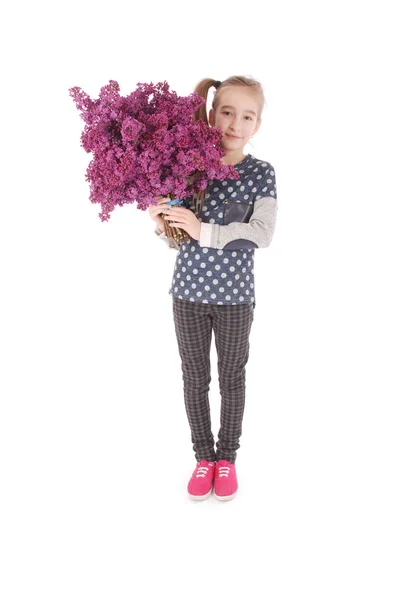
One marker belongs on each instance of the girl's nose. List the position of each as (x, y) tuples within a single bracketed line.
[(235, 124)]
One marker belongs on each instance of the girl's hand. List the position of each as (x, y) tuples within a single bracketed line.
[(156, 210), (178, 216)]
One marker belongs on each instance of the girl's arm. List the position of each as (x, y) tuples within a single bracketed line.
[(257, 233)]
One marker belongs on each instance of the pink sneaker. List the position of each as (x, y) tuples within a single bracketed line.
[(201, 483), (225, 480)]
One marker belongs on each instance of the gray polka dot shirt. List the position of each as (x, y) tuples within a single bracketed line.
[(237, 217)]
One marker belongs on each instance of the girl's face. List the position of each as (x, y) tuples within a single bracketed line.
[(237, 116)]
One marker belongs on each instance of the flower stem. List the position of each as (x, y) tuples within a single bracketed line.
[(175, 234)]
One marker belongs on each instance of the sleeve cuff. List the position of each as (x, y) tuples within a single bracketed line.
[(205, 239), (160, 234)]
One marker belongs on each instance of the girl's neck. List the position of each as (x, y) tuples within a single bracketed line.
[(233, 158)]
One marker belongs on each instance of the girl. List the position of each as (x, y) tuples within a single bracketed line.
[(213, 281)]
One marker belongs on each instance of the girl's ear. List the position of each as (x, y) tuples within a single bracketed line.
[(211, 117)]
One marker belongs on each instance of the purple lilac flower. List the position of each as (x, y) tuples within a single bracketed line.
[(147, 144)]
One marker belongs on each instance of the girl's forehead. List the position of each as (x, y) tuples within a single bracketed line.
[(238, 96)]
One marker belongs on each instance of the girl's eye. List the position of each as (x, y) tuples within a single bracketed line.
[(248, 117), (226, 112)]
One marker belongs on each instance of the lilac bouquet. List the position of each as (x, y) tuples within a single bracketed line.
[(147, 144)]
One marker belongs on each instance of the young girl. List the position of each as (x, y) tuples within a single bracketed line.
[(213, 281)]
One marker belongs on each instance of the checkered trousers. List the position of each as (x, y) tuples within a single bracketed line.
[(231, 324)]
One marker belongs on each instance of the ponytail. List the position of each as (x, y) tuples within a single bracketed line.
[(202, 89)]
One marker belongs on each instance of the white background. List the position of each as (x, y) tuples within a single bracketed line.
[(95, 448)]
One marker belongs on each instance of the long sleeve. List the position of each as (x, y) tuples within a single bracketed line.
[(257, 233), (162, 236)]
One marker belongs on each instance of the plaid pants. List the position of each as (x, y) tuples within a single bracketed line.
[(231, 324)]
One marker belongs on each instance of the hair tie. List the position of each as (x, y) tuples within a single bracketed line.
[(216, 84)]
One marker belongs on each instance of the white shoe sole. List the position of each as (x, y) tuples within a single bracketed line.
[(200, 497), (223, 498)]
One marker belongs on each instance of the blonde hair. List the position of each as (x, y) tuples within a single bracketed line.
[(204, 86)]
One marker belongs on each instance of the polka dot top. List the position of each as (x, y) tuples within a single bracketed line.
[(213, 276)]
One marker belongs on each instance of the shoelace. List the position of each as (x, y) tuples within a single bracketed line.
[(224, 471), (201, 472)]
